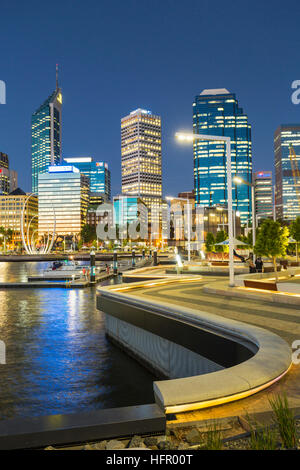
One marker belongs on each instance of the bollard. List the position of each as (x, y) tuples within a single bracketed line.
[(155, 263), (115, 263), (92, 264), (133, 259)]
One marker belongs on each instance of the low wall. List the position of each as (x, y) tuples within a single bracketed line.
[(209, 359)]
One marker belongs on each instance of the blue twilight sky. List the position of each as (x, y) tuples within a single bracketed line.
[(115, 56)]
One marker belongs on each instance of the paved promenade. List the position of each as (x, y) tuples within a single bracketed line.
[(283, 320)]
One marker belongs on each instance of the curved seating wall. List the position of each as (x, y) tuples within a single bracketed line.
[(242, 359)]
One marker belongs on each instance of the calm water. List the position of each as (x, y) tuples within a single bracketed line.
[(58, 359)]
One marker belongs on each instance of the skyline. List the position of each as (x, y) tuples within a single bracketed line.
[(98, 92)]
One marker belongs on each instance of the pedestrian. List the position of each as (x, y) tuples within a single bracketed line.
[(252, 268), (259, 264), (107, 269)]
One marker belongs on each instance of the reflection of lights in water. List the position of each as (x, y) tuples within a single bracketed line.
[(72, 309)]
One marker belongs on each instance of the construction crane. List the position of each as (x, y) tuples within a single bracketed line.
[(295, 172)]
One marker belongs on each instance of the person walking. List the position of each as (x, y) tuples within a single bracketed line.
[(259, 264), (252, 268)]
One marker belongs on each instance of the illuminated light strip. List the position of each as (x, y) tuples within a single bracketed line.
[(269, 291), (223, 400), (158, 283)]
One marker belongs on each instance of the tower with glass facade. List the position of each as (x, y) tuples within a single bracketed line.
[(287, 204), (46, 136), (141, 159), (217, 112), (97, 172)]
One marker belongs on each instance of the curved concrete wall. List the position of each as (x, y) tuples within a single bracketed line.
[(241, 359)]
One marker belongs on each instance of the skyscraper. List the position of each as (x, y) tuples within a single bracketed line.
[(97, 172), (217, 112), (286, 201), (8, 178), (263, 191), (141, 158), (46, 135)]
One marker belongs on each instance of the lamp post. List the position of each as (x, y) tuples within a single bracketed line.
[(190, 138), (239, 180), (169, 198)]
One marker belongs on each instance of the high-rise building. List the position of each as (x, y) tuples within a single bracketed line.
[(141, 159), (217, 112), (129, 209), (46, 136), (63, 194), (286, 201), (97, 172), (8, 178), (11, 207), (263, 193)]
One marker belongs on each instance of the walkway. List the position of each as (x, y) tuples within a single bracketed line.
[(283, 320)]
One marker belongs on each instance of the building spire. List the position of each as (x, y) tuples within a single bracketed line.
[(56, 76)]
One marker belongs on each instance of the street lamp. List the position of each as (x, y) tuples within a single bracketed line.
[(169, 198), (189, 137), (239, 180)]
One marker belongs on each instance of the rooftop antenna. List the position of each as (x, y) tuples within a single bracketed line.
[(56, 76)]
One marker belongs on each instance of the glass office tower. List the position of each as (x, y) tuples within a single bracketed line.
[(62, 191), (46, 136), (217, 112), (97, 172), (287, 203)]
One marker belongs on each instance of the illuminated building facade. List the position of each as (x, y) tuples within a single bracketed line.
[(46, 136), (63, 190), (286, 200), (141, 159), (11, 207), (8, 178), (263, 193), (98, 173), (217, 112)]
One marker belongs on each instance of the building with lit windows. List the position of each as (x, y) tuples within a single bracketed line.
[(63, 194), (263, 193), (217, 112), (287, 203), (97, 172), (8, 178), (141, 159), (46, 136), (11, 207)]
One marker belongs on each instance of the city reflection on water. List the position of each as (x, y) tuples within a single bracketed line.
[(58, 358)]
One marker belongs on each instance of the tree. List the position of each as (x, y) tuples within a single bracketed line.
[(272, 241), (209, 242), (295, 232), (88, 233), (220, 237)]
